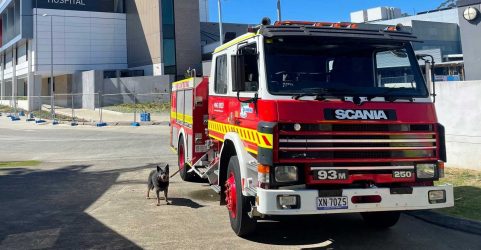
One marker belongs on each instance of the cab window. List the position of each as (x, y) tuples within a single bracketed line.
[(220, 84), (249, 81)]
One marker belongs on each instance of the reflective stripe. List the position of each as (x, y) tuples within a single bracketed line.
[(184, 84), (235, 41), (353, 148), (260, 139), (356, 140), (188, 119), (181, 117), (182, 81)]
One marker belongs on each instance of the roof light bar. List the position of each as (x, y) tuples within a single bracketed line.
[(345, 25)]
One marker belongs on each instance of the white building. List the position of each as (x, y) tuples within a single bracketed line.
[(83, 42), (375, 14)]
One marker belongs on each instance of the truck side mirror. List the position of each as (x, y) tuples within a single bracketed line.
[(238, 70)]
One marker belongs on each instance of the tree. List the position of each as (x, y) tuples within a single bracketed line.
[(447, 4)]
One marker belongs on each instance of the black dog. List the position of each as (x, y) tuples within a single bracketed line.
[(159, 179)]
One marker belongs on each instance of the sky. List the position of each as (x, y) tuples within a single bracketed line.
[(252, 11)]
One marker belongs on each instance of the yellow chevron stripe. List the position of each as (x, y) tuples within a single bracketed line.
[(222, 140), (255, 137)]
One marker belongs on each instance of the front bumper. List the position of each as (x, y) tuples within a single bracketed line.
[(418, 200)]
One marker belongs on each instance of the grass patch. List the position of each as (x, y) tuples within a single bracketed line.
[(42, 114), (139, 107), (467, 193), (13, 164), (6, 109)]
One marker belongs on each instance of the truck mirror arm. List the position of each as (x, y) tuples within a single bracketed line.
[(251, 100), (433, 78)]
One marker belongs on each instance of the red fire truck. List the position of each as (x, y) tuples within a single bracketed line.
[(308, 118)]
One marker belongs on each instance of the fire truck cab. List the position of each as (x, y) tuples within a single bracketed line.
[(306, 118)]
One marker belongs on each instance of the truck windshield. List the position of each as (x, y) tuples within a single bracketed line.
[(347, 67)]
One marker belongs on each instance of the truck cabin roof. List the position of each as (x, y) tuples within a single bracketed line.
[(381, 33)]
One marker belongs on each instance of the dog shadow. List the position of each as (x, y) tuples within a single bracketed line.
[(183, 202)]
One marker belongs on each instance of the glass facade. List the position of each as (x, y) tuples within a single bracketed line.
[(10, 22), (168, 34)]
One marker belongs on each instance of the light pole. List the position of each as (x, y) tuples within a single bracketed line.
[(279, 14), (221, 32), (52, 81)]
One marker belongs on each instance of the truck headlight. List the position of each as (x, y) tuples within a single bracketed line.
[(285, 173), (426, 171)]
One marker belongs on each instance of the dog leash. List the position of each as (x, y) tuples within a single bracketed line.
[(176, 172)]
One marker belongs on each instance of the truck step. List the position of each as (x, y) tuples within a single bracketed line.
[(198, 170), (216, 188)]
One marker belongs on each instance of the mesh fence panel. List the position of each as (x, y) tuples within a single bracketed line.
[(93, 108)]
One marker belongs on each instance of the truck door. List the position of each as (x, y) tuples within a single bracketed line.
[(246, 83), (218, 109)]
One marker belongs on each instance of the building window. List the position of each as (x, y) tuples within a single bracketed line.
[(168, 35), (131, 73), (220, 85), (10, 22), (110, 74)]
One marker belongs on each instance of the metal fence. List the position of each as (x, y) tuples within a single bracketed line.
[(93, 108)]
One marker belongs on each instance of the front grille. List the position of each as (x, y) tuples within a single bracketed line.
[(357, 143)]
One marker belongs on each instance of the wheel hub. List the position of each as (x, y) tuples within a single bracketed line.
[(231, 195)]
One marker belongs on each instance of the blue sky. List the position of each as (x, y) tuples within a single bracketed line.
[(252, 11)]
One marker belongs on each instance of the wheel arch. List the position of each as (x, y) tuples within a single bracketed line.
[(181, 135), (232, 146)]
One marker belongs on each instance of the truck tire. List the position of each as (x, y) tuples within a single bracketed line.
[(237, 204), (183, 166), (381, 219)]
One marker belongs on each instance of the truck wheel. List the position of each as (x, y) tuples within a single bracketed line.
[(381, 219), (184, 168), (237, 204)]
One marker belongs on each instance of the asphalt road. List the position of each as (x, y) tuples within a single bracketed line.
[(89, 192)]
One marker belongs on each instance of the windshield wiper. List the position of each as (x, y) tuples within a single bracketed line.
[(392, 98), (319, 94)]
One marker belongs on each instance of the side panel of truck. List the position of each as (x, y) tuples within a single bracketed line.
[(189, 103)]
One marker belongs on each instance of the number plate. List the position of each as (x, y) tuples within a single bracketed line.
[(331, 203), (331, 175)]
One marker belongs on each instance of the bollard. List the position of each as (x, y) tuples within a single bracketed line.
[(100, 123), (135, 111), (74, 120), (30, 118)]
